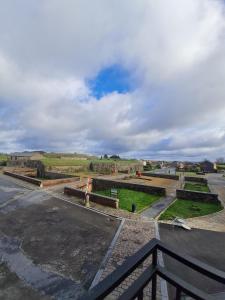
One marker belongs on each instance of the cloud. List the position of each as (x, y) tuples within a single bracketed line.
[(174, 55)]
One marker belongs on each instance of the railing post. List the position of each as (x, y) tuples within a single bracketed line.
[(178, 294), (154, 278), (141, 295)]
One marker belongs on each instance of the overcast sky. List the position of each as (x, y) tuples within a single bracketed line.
[(139, 78)]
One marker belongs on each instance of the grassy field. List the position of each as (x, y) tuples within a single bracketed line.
[(189, 209), (197, 187), (49, 161), (70, 161), (3, 157), (221, 167), (127, 197)]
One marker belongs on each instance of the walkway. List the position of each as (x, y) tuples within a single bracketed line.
[(158, 207)]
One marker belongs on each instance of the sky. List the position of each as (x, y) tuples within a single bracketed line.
[(140, 78)]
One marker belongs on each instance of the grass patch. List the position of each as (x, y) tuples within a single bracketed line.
[(49, 161), (3, 157), (71, 161), (197, 187), (191, 174), (127, 197), (189, 209)]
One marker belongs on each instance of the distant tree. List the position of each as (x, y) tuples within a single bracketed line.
[(101, 157), (114, 156), (105, 156), (220, 160)]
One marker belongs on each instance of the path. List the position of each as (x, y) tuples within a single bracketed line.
[(157, 207)]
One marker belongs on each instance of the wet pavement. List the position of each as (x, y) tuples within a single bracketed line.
[(48, 247), (9, 189)]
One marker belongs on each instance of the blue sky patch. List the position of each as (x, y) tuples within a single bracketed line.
[(109, 80)]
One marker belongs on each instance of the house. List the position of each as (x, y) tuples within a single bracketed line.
[(208, 167), (17, 156)]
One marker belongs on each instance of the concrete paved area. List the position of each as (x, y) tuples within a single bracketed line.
[(48, 247), (205, 245), (157, 207)]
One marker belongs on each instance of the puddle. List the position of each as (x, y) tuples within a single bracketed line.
[(47, 283)]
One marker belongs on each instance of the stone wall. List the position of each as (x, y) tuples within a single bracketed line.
[(196, 179), (41, 183), (25, 178), (197, 196), (166, 176), (103, 200), (104, 184), (115, 167), (54, 175), (34, 164)]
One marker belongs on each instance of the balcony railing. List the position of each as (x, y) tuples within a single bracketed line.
[(151, 273)]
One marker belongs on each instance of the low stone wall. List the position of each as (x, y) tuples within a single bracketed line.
[(197, 196), (54, 175), (166, 176), (196, 179), (103, 200), (103, 184), (41, 183), (25, 178)]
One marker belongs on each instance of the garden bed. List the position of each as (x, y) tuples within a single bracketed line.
[(196, 186), (128, 197), (189, 209)]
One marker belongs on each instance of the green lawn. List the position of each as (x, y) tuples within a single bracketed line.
[(198, 187), (192, 174), (3, 157), (127, 197), (189, 209)]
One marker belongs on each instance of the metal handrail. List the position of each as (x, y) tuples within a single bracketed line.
[(107, 285)]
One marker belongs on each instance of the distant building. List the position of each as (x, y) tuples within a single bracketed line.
[(25, 156), (208, 167)]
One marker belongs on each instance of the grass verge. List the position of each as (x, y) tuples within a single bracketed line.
[(127, 197), (197, 187), (189, 209)]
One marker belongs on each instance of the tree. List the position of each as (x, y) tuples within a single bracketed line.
[(114, 156), (105, 156), (220, 160)]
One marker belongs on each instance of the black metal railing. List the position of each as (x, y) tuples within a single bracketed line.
[(151, 273)]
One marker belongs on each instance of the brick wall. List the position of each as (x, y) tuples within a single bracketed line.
[(197, 196), (103, 200), (103, 184)]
